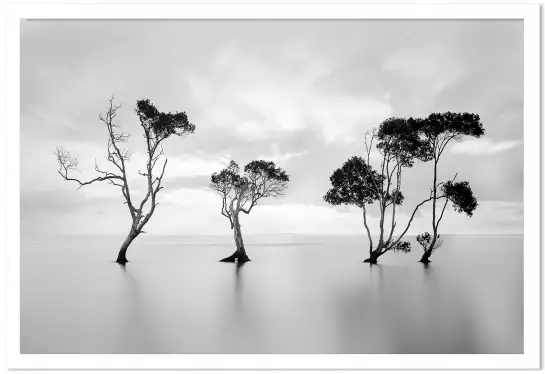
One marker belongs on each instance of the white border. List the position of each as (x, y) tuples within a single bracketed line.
[(529, 12)]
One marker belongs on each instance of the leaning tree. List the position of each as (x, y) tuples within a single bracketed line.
[(460, 195), (157, 126), (240, 192), (437, 131), (358, 183)]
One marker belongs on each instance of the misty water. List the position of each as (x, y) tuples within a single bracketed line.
[(298, 295)]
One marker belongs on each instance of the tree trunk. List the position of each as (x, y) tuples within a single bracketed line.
[(427, 254), (239, 255), (373, 256), (426, 257), (122, 256)]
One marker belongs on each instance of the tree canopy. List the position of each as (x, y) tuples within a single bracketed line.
[(354, 183), (162, 124), (461, 196), (455, 124), (401, 138), (240, 192), (438, 129)]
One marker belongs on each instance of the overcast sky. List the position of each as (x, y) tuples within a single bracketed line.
[(300, 93)]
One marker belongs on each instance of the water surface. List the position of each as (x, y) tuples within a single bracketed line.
[(297, 295)]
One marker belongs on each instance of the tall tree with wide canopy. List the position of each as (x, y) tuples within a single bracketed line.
[(358, 183), (157, 127), (437, 131), (240, 192)]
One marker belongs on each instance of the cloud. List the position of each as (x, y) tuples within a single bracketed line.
[(185, 165), (63, 201), (490, 217), (190, 197), (194, 166), (298, 93), (435, 65), (278, 157), (484, 146), (285, 99), (197, 182), (196, 212)]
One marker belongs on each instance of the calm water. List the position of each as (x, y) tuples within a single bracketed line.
[(298, 295)]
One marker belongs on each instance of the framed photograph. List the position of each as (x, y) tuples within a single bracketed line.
[(273, 186)]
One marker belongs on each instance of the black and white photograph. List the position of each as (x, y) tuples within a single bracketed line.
[(272, 186)]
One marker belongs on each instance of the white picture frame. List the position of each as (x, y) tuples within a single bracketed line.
[(530, 359)]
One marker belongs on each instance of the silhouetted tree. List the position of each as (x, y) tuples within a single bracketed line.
[(157, 127), (357, 183), (241, 192), (437, 131)]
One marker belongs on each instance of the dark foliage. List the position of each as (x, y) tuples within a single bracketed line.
[(400, 137), (228, 177), (163, 124), (456, 124), (266, 169), (354, 184), (461, 196), (424, 240), (401, 246), (397, 195)]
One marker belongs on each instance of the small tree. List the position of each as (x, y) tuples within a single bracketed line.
[(358, 183), (241, 192), (437, 131), (157, 127), (460, 195)]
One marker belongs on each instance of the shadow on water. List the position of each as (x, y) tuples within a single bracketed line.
[(376, 275), (121, 266), (238, 285), (429, 272), (239, 318), (388, 311), (136, 320), (239, 266)]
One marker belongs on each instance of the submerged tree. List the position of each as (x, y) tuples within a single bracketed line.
[(157, 127), (240, 192), (358, 183), (437, 131), (460, 195)]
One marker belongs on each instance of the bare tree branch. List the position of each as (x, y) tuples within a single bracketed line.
[(117, 156), (68, 163)]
